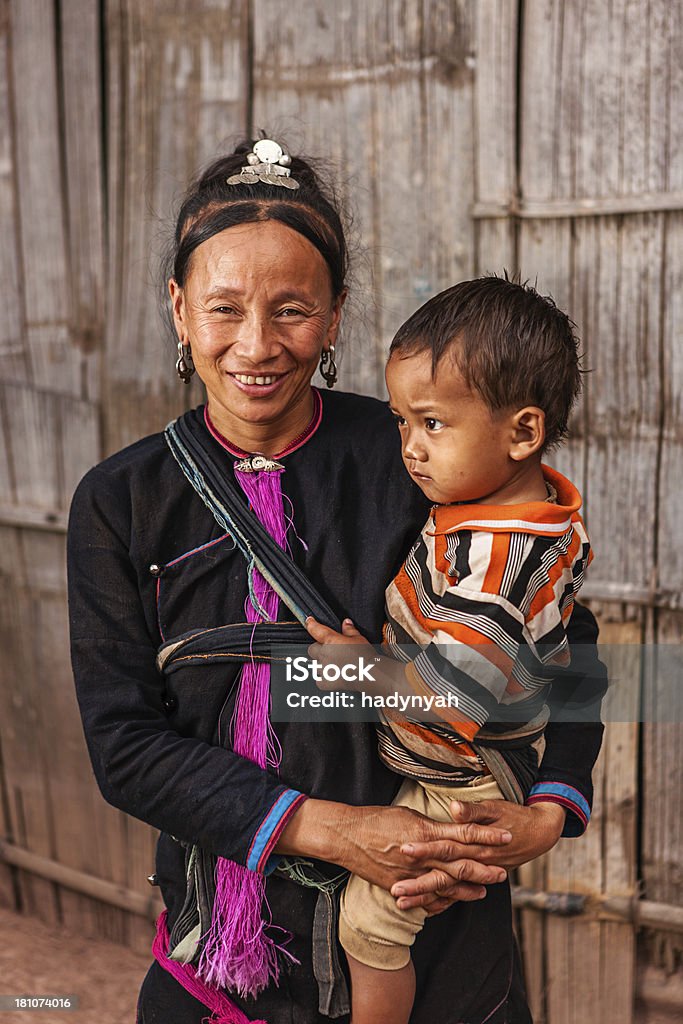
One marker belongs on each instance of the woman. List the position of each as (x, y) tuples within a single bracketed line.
[(257, 290)]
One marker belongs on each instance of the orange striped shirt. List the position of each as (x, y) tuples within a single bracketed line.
[(486, 593)]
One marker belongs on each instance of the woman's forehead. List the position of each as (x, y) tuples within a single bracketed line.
[(240, 253)]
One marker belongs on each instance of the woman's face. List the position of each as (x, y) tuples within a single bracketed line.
[(257, 309)]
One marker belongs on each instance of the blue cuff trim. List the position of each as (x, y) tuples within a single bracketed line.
[(566, 792), (571, 799), (269, 826)]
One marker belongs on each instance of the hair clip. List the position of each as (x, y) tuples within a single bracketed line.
[(267, 163)]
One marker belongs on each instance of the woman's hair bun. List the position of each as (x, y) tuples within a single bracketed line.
[(212, 205)]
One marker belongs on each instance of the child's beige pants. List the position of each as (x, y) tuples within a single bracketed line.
[(371, 927)]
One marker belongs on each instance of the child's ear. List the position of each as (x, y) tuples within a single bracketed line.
[(528, 432)]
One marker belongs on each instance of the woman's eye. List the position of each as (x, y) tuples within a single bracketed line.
[(433, 424), (224, 309), (289, 311)]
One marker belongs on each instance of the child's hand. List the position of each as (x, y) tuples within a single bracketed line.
[(325, 635), (323, 651)]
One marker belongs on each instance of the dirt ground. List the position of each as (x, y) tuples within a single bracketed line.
[(36, 959)]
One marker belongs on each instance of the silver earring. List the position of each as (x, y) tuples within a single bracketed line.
[(328, 367), (184, 366)]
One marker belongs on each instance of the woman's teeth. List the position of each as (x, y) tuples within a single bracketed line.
[(244, 378)]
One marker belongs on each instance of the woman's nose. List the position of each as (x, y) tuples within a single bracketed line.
[(257, 340)]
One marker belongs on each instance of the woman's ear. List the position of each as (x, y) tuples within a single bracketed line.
[(528, 432), (178, 309), (337, 307)]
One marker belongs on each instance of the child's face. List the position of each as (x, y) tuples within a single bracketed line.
[(453, 445)]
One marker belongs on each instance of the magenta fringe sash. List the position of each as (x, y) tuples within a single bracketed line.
[(223, 1010), (238, 953)]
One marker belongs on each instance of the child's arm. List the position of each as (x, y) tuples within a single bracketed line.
[(388, 676)]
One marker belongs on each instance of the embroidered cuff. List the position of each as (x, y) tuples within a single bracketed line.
[(259, 856), (569, 798)]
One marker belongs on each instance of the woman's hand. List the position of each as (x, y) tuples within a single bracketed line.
[(535, 830), (371, 842)]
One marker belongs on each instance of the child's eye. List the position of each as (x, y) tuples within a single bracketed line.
[(399, 420), (433, 424)]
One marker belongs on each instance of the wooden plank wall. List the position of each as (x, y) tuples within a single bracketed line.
[(463, 136), (333, 84)]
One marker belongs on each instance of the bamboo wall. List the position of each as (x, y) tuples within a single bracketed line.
[(467, 135)]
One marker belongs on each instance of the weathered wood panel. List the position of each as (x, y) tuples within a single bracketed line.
[(47, 440), (54, 362), (83, 161), (176, 88), (662, 800), (335, 84), (13, 358), (495, 155)]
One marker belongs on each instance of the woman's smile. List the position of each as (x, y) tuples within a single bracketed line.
[(258, 385)]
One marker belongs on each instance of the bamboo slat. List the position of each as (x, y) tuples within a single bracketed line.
[(106, 110), (54, 362), (586, 140), (662, 823), (39, 725), (495, 156), (13, 359), (83, 160)]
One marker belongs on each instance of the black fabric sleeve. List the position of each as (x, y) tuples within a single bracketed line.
[(184, 786), (574, 733)]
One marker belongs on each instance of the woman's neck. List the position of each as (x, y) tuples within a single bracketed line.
[(271, 439)]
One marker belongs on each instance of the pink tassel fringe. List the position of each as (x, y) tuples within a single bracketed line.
[(223, 1010), (238, 954)]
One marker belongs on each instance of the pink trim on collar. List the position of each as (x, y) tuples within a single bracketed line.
[(293, 445)]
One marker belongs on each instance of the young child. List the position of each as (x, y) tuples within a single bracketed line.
[(481, 381)]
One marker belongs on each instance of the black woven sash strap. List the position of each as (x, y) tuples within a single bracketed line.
[(226, 503), (238, 641)]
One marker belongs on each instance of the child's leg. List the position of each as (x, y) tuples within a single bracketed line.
[(377, 936), (381, 997)]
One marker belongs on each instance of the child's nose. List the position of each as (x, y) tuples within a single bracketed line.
[(412, 449)]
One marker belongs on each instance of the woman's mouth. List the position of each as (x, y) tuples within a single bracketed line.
[(245, 378), (258, 383)]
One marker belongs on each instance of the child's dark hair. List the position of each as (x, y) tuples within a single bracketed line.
[(512, 345)]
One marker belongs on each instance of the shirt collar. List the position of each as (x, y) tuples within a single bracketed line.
[(537, 517)]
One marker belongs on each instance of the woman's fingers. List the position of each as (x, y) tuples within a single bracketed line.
[(535, 829), (462, 836), (442, 879), (485, 812)]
